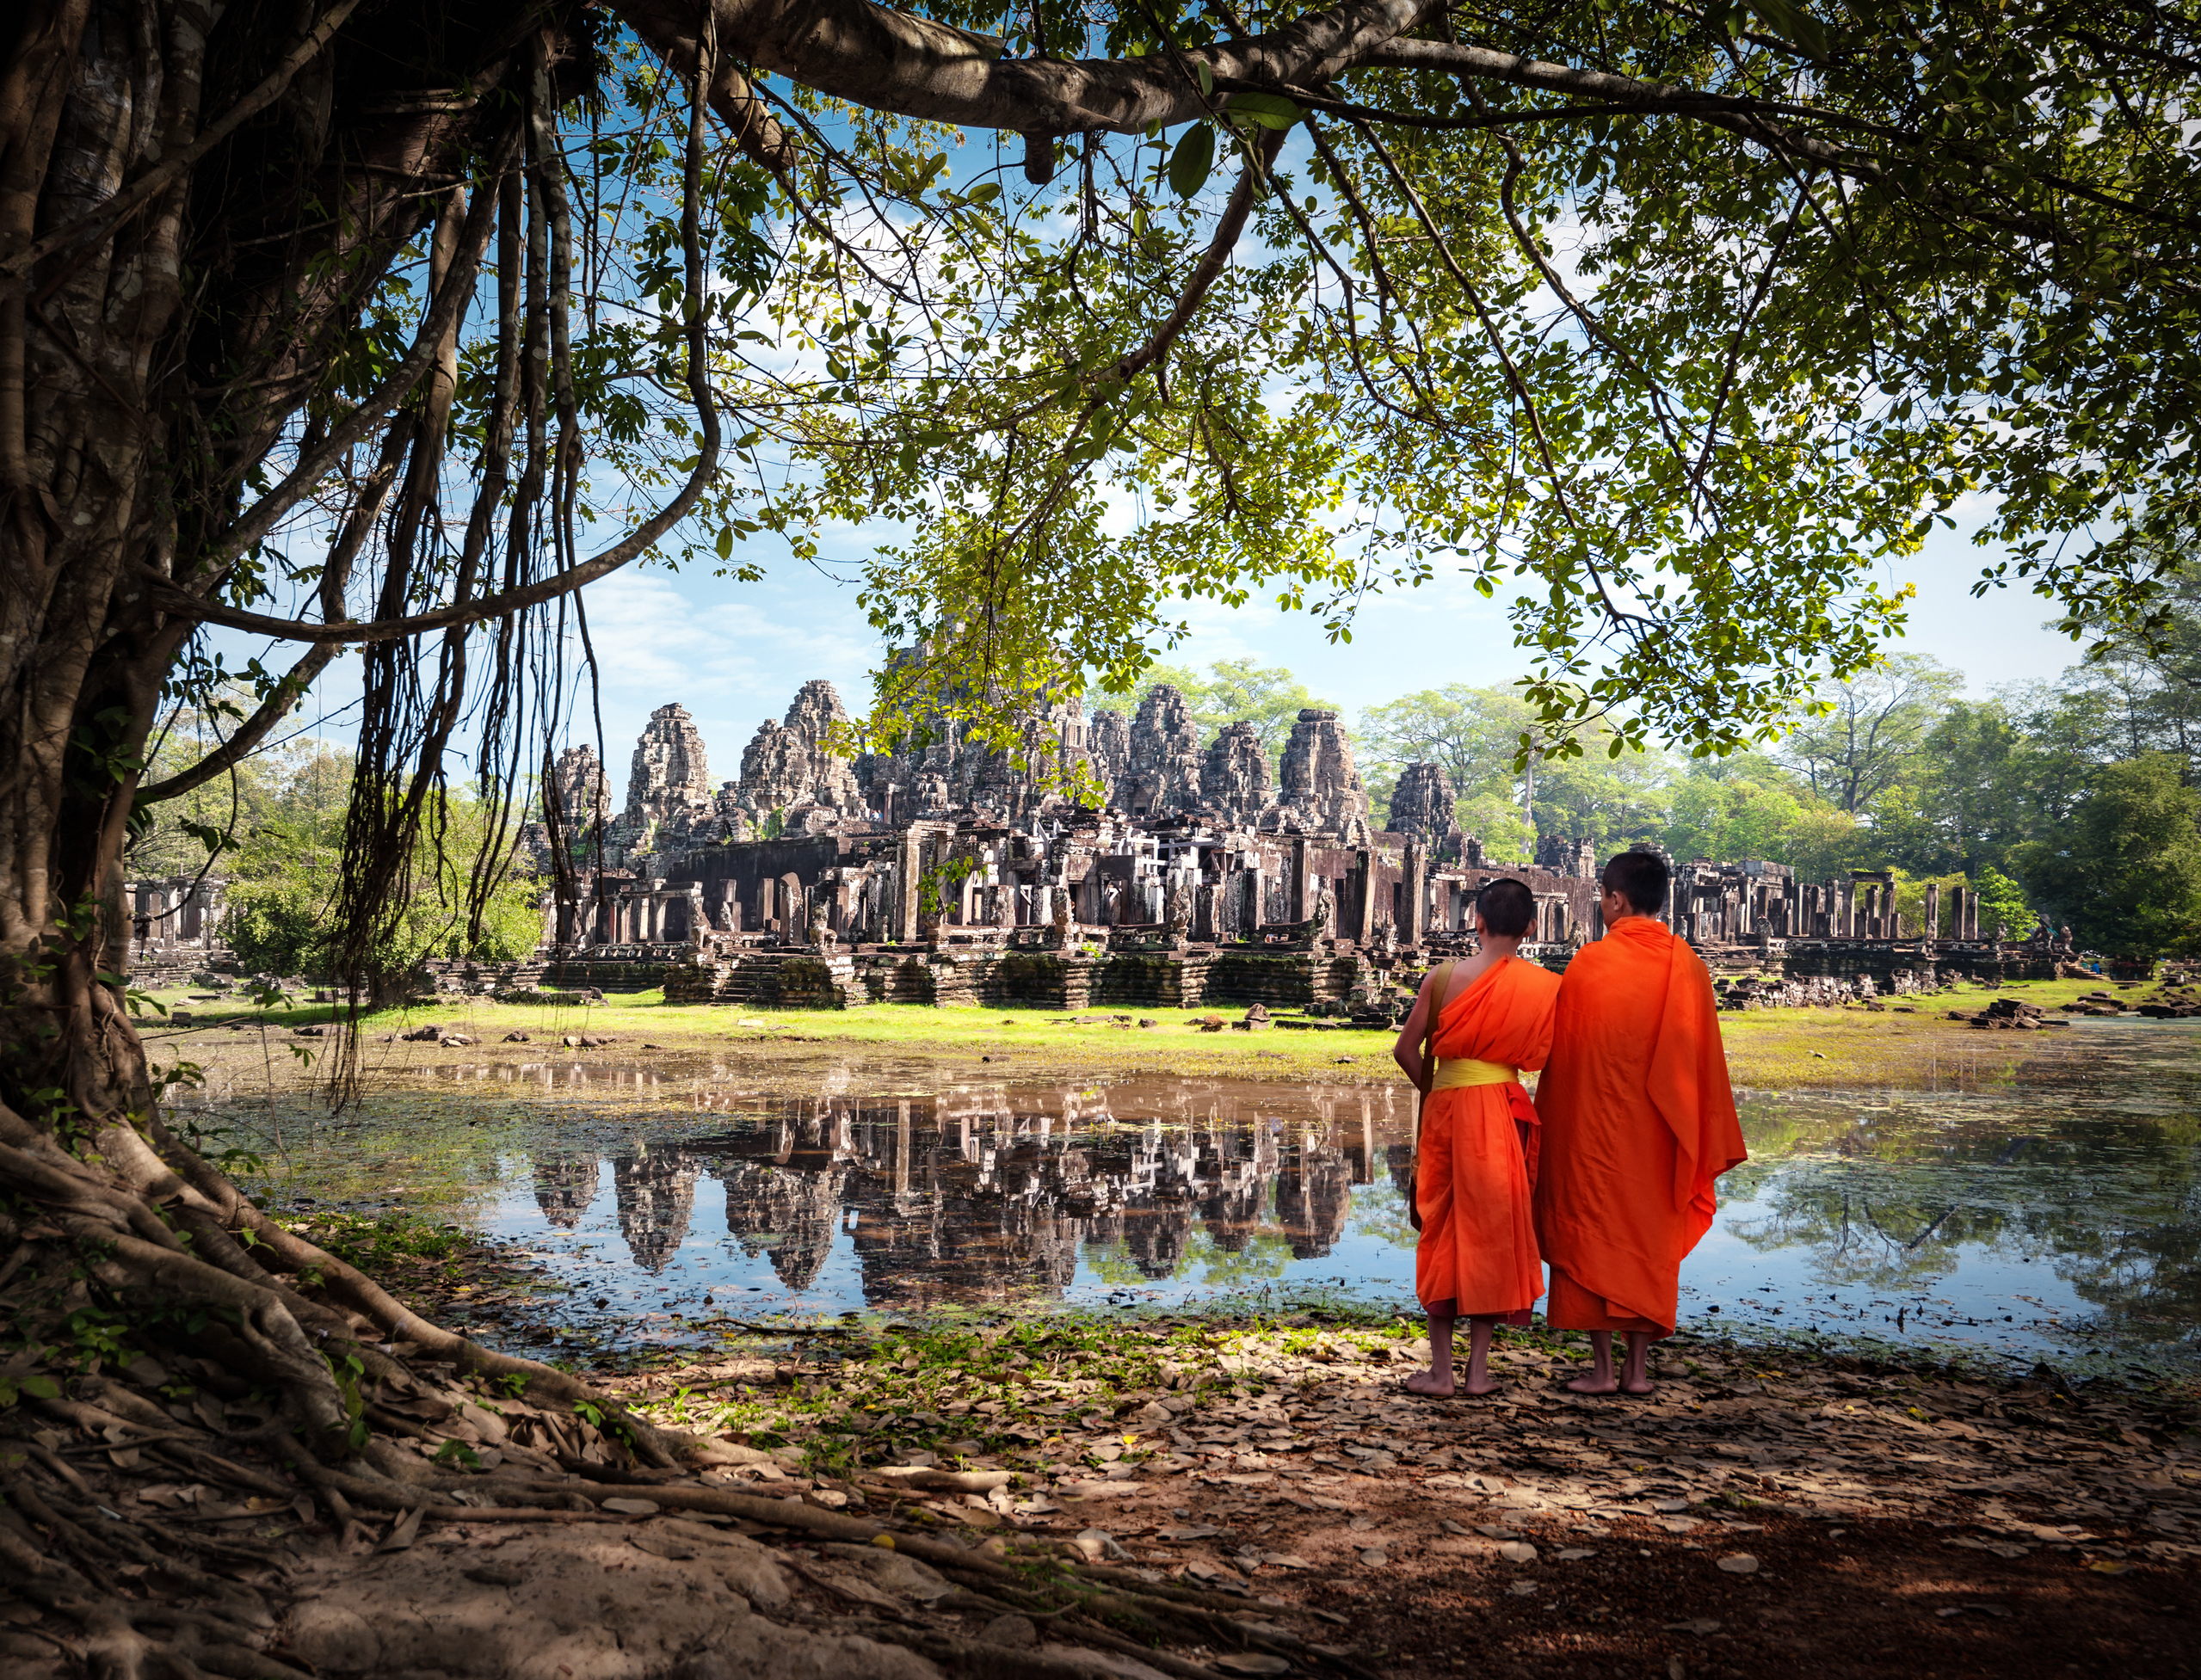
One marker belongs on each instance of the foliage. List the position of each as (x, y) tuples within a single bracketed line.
[(1770, 363), (1743, 807), (1474, 735), (2127, 876), (2003, 912), (278, 898), (1873, 726)]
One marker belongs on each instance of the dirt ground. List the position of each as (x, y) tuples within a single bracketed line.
[(1268, 1501)]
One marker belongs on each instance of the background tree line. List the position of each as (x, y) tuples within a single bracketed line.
[(2074, 799), (272, 830)]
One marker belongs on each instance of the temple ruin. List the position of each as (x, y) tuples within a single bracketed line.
[(950, 872)]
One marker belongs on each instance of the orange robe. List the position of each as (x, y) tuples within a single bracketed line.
[(1476, 1158), (1638, 1122)]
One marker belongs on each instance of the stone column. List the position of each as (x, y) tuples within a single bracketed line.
[(1415, 890), (907, 868), (1302, 900), (1363, 913), (1932, 931)]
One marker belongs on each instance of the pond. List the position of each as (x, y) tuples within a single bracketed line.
[(2049, 1209)]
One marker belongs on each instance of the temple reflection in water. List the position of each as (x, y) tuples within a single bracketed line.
[(984, 1195)]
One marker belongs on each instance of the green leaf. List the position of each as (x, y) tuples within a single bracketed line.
[(1193, 161), (1797, 24), (41, 1387), (1207, 80), (1269, 110)]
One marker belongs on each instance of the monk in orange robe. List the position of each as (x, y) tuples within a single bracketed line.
[(1476, 1027), (1638, 1122)]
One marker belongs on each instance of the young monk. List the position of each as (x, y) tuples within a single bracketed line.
[(1638, 1122), (1486, 1020)]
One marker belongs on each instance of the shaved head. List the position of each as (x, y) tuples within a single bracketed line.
[(1641, 878), (1507, 907)]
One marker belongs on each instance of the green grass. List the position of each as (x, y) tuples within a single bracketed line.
[(1768, 1050), (1022, 1038)]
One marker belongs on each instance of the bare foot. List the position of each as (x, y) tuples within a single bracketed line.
[(1431, 1383), (1644, 1387), (1488, 1386), (1591, 1385)]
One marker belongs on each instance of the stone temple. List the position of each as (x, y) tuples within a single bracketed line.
[(947, 871)]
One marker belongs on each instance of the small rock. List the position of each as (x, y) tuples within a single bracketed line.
[(1738, 1563), (516, 1038), (1517, 1551), (1011, 1630)]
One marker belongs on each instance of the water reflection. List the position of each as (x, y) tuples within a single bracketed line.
[(971, 1198), (2052, 1205)]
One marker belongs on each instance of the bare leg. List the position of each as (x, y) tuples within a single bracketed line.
[(1478, 1357), (1599, 1380), (1635, 1378), (1437, 1381)]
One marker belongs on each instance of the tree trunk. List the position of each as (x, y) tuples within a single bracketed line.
[(158, 362)]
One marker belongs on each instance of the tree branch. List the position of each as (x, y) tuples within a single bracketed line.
[(895, 61), (170, 598), (250, 734)]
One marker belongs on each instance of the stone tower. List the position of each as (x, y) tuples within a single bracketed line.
[(1422, 804), (584, 793), (1108, 749), (787, 764), (1164, 774), (671, 774), (1322, 790), (1234, 781)]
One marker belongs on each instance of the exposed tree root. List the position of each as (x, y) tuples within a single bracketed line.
[(212, 1347)]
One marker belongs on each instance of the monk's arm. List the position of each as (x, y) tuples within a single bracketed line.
[(1407, 1052)]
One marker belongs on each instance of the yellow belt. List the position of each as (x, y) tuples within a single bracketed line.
[(1459, 1072)]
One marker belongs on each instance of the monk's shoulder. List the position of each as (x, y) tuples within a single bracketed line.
[(1591, 960), (1538, 981), (1689, 963)]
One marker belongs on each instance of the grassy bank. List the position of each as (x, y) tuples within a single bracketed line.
[(1910, 1043)]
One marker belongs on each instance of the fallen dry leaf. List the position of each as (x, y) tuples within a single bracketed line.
[(1251, 1661)]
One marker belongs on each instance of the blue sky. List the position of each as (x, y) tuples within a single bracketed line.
[(735, 654)]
